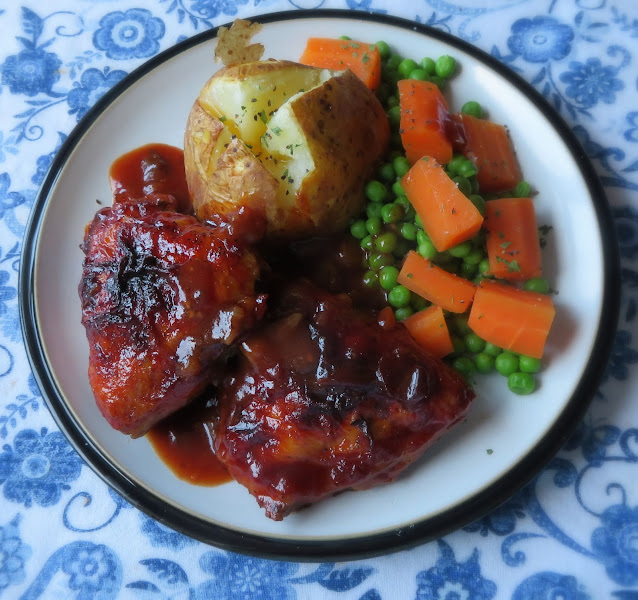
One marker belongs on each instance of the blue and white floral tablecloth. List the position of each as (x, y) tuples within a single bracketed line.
[(571, 534)]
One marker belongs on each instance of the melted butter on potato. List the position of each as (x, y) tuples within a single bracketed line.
[(295, 141)]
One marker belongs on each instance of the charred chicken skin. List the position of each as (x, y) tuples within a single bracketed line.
[(324, 399), (163, 299)]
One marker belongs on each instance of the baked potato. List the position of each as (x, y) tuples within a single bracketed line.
[(293, 141)]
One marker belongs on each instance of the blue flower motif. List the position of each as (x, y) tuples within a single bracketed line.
[(7, 292), (622, 356), (13, 554), (616, 543), (160, 535), (91, 568), (44, 162), (239, 577), (626, 221), (8, 200), (540, 39), (38, 467), (541, 586), (209, 9), (131, 34), (31, 71), (591, 82), (449, 579), (91, 87)]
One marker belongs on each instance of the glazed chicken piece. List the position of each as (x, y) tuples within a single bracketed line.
[(325, 399), (164, 298)]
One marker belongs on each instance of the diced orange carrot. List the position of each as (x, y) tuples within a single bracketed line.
[(362, 59), (424, 112), (513, 247), (511, 318), (489, 146), (448, 216), (429, 330), (444, 289)]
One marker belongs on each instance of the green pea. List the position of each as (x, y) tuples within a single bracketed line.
[(344, 37), (463, 365), (522, 189), (406, 67), (409, 231), (428, 65), (386, 172), (427, 250), (422, 237), (373, 225), (474, 343), (438, 81), (373, 210), (463, 184), (391, 213), (445, 66), (397, 188), (459, 324), (418, 222), (484, 266), (399, 296), (394, 116), (473, 109), (467, 169), (458, 344), (478, 201), (454, 164), (484, 362), (394, 61), (366, 242), (370, 278), (521, 383), (358, 229), (386, 242), (460, 250), (408, 210), (376, 191), (419, 303), (392, 101), (388, 277), (492, 350), (474, 257), (379, 259), (539, 285), (401, 314), (506, 363), (467, 270), (401, 165), (529, 364), (474, 184), (384, 49), (419, 75)]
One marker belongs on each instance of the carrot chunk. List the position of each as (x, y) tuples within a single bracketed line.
[(444, 289), (429, 330), (448, 216), (511, 318), (424, 112), (488, 145), (513, 247), (362, 59)]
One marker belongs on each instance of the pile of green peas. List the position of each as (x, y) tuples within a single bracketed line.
[(389, 228)]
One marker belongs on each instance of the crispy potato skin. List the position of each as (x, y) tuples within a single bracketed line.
[(340, 122)]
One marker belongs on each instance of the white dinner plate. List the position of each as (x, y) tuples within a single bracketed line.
[(505, 440)]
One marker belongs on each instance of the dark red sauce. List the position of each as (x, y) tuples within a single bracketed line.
[(184, 440), (151, 169)]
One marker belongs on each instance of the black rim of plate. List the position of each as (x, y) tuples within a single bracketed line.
[(357, 546)]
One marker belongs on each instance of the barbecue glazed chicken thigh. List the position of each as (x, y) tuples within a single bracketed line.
[(163, 299), (325, 399)]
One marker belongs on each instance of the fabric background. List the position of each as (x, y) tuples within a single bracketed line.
[(571, 534)]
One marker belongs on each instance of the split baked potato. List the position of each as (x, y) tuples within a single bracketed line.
[(293, 141)]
